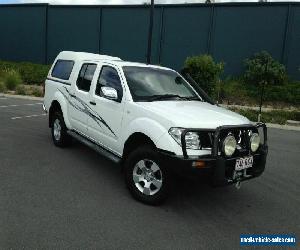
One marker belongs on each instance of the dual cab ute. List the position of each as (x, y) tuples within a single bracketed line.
[(152, 121)]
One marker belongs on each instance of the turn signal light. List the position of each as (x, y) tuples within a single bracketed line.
[(199, 164)]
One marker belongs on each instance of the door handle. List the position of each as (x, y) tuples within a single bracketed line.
[(72, 95), (93, 103)]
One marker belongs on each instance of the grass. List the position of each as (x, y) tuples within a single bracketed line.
[(31, 90), (275, 116), (2, 86), (235, 91), (11, 79), (31, 73)]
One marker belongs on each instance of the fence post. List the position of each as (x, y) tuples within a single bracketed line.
[(211, 29), (46, 35), (284, 56), (150, 32), (99, 29), (161, 34)]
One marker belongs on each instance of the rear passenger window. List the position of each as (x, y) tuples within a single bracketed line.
[(62, 69), (85, 76)]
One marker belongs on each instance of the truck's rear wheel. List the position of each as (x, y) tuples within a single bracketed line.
[(59, 131), (146, 177)]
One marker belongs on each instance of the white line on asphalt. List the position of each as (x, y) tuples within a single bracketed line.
[(3, 98), (19, 105), (26, 116)]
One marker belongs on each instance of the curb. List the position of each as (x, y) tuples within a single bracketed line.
[(263, 109), (283, 127), (25, 97), (293, 123)]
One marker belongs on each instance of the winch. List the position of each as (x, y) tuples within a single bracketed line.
[(238, 176)]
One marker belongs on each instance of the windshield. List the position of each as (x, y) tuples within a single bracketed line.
[(152, 84)]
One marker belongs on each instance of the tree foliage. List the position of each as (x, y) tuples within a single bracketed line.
[(204, 70), (31, 73), (263, 68)]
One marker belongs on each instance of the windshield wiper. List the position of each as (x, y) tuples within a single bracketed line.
[(191, 98), (162, 97), (171, 96)]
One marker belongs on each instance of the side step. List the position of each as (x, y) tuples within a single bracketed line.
[(95, 147)]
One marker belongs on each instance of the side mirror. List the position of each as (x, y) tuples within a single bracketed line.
[(110, 93)]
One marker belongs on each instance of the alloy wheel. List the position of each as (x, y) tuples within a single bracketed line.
[(147, 177)]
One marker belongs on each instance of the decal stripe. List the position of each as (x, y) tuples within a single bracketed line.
[(86, 109)]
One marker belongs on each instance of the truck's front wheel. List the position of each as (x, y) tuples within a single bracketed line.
[(146, 176)]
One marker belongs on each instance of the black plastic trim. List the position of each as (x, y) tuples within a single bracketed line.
[(99, 149), (55, 80)]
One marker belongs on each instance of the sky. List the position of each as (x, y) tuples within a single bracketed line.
[(127, 1)]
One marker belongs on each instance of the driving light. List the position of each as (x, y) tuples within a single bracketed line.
[(254, 142), (229, 145), (192, 140)]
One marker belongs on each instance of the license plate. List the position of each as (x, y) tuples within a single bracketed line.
[(244, 163)]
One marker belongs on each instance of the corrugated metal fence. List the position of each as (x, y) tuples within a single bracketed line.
[(230, 32)]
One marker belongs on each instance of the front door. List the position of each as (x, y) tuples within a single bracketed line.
[(105, 128)]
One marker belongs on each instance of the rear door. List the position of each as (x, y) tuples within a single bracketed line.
[(79, 104), (105, 128)]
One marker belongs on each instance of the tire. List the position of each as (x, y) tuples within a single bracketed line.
[(59, 131), (147, 178)]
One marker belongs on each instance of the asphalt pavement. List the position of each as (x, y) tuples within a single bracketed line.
[(73, 198)]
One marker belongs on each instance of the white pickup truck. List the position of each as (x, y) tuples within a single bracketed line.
[(152, 121)]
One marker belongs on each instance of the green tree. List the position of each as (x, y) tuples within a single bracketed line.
[(262, 68), (205, 71)]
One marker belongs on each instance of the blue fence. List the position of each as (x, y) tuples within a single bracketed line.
[(230, 32)]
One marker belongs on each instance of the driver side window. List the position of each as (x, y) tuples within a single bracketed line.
[(109, 77)]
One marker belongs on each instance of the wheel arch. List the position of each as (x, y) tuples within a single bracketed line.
[(135, 140), (146, 130), (58, 105), (55, 107)]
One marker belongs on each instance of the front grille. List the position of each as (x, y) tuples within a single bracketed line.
[(206, 139)]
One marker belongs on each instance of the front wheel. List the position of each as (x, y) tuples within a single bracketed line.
[(146, 176)]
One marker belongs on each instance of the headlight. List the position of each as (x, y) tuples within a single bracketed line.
[(254, 142), (192, 140), (229, 145)]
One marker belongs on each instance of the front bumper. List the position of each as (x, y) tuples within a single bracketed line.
[(219, 169)]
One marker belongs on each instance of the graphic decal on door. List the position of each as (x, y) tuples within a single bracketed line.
[(83, 107)]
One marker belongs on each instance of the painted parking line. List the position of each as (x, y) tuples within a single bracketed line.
[(20, 105), (26, 116)]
